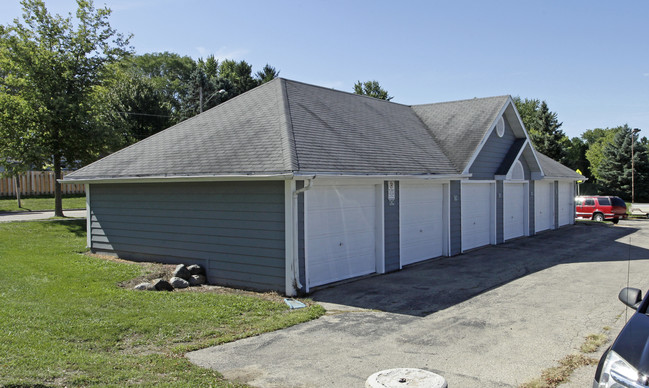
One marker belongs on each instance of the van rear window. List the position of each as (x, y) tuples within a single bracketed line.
[(604, 201), (618, 202)]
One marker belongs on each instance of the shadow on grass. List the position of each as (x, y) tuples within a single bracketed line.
[(75, 225)]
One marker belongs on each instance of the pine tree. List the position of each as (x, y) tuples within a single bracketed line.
[(615, 169), (543, 127)]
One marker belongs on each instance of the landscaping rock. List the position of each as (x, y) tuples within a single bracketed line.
[(145, 287), (197, 280), (182, 272), (162, 285), (196, 269), (177, 282)]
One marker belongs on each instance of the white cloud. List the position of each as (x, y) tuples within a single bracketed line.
[(222, 53)]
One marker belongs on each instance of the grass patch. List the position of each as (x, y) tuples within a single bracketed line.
[(65, 321), (593, 342), (41, 203), (553, 377)]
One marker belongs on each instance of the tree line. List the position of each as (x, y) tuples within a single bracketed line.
[(603, 155)]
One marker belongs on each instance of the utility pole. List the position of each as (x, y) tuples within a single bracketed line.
[(633, 132)]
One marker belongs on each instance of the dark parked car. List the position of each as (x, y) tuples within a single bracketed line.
[(600, 208), (626, 362)]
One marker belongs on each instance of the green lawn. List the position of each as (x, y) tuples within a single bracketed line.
[(65, 322), (41, 203)]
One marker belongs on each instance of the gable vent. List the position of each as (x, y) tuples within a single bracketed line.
[(500, 127), (517, 172)]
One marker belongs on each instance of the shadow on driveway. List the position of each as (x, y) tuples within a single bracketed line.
[(425, 288)]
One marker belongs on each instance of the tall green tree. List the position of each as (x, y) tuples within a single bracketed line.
[(206, 87), (371, 89), (131, 106), (51, 64), (239, 74), (267, 73), (615, 169), (543, 127), (596, 140), (170, 74)]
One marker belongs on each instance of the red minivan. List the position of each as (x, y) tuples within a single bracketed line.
[(600, 208)]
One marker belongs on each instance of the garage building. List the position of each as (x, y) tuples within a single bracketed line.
[(292, 186)]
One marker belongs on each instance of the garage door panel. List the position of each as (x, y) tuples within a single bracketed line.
[(334, 221), (566, 203), (477, 202), (340, 233), (514, 212), (544, 206), (421, 218)]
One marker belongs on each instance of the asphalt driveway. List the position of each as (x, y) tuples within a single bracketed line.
[(493, 317)]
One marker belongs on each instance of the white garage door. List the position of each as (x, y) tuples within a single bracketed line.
[(421, 218), (339, 233), (514, 209), (543, 206), (477, 214), (566, 203)]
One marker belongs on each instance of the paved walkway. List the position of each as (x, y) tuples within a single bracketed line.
[(493, 317), (43, 215)]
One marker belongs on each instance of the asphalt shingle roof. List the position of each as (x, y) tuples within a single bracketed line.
[(553, 169), (342, 132), (459, 126), (284, 127), (244, 134)]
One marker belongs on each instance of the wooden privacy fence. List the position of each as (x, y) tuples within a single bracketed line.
[(36, 183)]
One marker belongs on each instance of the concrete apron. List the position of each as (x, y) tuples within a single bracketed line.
[(493, 317)]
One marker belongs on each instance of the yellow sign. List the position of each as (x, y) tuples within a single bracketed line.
[(579, 172)]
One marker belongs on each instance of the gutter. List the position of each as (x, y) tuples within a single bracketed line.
[(176, 178), (253, 176)]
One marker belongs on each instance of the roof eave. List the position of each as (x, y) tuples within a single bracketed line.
[(257, 176), (179, 178)]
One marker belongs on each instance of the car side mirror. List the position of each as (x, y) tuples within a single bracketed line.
[(631, 297)]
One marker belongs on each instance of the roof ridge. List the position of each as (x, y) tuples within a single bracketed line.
[(341, 91), (286, 130), (463, 100)]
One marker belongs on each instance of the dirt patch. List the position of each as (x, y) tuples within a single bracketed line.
[(154, 271)]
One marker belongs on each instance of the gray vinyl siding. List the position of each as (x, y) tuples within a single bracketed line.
[(391, 229), (532, 210), (234, 229), (455, 218), (492, 154), (300, 234), (500, 213)]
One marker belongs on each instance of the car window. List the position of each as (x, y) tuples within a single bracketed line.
[(618, 202), (579, 201), (604, 201), (589, 202)]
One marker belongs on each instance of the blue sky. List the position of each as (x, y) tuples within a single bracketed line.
[(588, 59)]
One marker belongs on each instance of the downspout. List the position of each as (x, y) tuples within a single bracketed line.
[(305, 188), (296, 257)]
